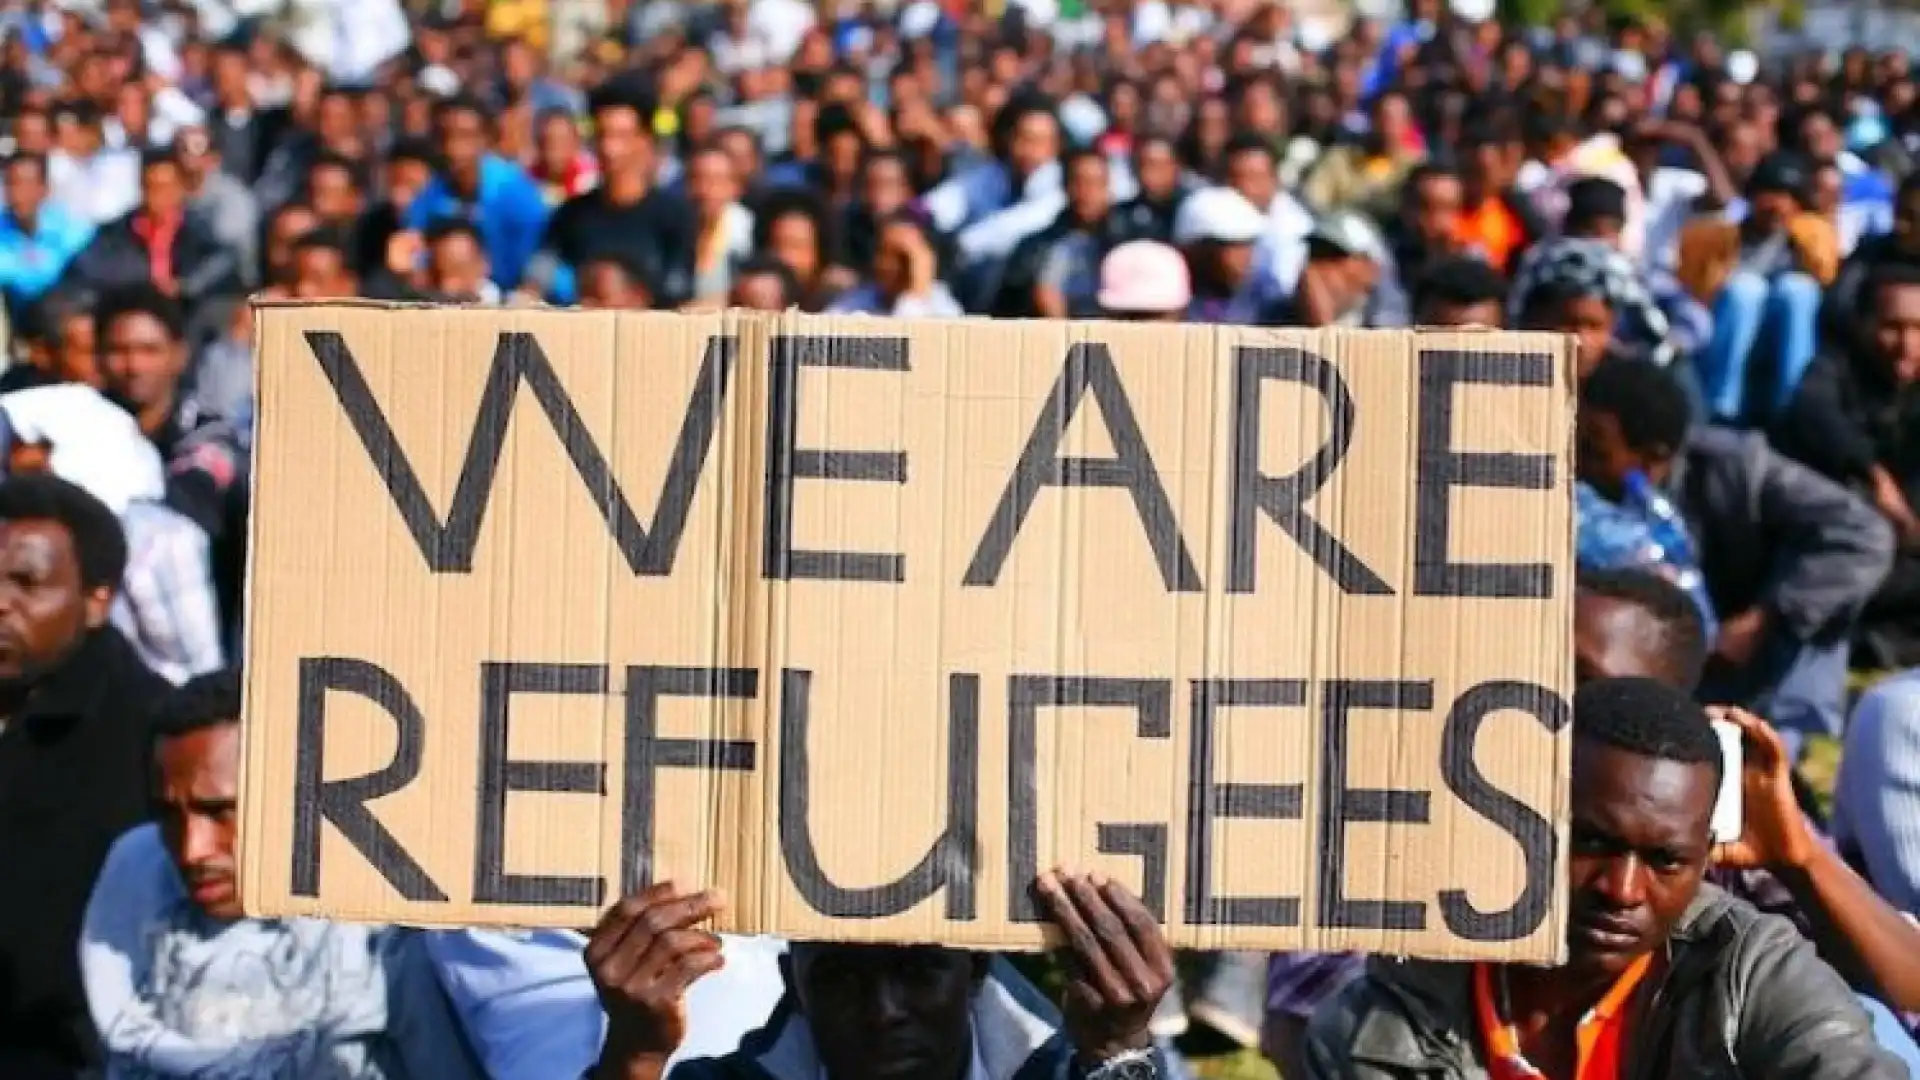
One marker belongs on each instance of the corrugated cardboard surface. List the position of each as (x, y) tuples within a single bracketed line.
[(467, 684)]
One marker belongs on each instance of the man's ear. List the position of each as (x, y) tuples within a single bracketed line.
[(97, 603)]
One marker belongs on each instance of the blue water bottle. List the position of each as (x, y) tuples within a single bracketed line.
[(1670, 544)]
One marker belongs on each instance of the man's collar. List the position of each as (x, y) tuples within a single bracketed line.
[(71, 690)]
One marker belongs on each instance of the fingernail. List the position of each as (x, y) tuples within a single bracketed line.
[(1098, 879)]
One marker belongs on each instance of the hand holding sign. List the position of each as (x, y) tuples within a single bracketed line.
[(643, 956), (1119, 963)]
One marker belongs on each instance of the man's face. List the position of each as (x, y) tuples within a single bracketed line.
[(161, 190), (1640, 846), (26, 188), (1820, 138), (711, 184), (1087, 192), (463, 139), (1251, 173), (1771, 210), (759, 292), (1906, 223), (618, 138), (196, 798), (288, 227), (78, 360), (1157, 169), (333, 193), (1588, 318), (1618, 639), (319, 272), (406, 178), (458, 265), (141, 362), (1601, 455), (1036, 141), (33, 132), (1896, 331), (604, 284), (880, 1012), (44, 610), (886, 188), (1436, 208), (1741, 150)]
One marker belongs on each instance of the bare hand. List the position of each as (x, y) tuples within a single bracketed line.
[(1741, 637), (403, 252), (1774, 834), (1119, 963), (642, 957), (1891, 501)]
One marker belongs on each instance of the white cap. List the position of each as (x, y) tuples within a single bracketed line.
[(1742, 66), (1218, 213)]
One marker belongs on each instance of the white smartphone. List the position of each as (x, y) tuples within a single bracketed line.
[(1727, 811)]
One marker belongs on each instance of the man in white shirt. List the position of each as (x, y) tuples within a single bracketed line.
[(100, 184)]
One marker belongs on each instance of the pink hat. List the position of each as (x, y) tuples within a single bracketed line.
[(1144, 277)]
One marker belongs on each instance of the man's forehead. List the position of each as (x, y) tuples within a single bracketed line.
[(35, 534), (1613, 778)]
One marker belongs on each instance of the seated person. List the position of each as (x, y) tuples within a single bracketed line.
[(182, 984), (1663, 971), (1769, 304), (862, 1012), (1849, 419), (1876, 800), (1789, 556), (1588, 249), (1460, 291)]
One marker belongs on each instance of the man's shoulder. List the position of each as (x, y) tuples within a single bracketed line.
[(1394, 1010)]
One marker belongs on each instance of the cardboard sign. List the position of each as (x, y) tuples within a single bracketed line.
[(869, 621)]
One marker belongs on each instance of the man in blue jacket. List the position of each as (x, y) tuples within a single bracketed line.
[(494, 194), (38, 239)]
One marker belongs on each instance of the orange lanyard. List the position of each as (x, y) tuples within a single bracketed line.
[(1598, 1035)]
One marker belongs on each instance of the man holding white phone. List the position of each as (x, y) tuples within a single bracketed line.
[(1667, 975)]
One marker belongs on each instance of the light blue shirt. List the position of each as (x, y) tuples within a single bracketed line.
[(176, 994), (530, 1012), (33, 262)]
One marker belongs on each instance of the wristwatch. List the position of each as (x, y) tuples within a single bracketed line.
[(1129, 1065)]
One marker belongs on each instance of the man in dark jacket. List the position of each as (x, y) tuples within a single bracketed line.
[(1855, 418), (1790, 557), (161, 244), (143, 354), (867, 1012), (1665, 976), (74, 759)]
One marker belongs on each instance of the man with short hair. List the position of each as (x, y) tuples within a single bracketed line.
[(143, 355), (73, 759), (1460, 291), (1589, 249), (181, 983), (625, 215), (494, 194), (160, 245), (1850, 420), (1667, 976), (39, 238), (1789, 556), (866, 1012)]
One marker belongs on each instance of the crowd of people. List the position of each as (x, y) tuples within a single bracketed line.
[(1733, 240)]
